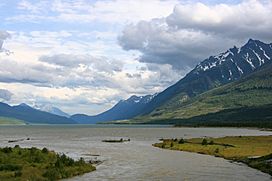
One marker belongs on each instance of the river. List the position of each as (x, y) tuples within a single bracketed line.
[(137, 159)]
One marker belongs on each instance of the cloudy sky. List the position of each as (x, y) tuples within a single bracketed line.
[(83, 56)]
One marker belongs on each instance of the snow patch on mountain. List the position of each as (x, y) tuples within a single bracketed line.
[(51, 109), (245, 59)]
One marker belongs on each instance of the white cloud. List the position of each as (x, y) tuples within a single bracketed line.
[(5, 95), (83, 62), (3, 36), (82, 81), (77, 84), (77, 64), (31, 7), (194, 31), (78, 70), (84, 11), (249, 18), (73, 100)]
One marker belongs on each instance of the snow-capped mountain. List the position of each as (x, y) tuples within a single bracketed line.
[(139, 99), (124, 109), (31, 115), (212, 72), (51, 109), (215, 71), (235, 62)]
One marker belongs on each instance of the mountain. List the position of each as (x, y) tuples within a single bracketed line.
[(124, 109), (51, 109), (31, 115), (215, 71), (245, 102)]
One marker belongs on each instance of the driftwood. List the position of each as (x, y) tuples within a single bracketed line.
[(14, 141)]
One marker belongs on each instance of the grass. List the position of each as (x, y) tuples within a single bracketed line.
[(216, 100), (38, 165), (255, 151), (10, 121)]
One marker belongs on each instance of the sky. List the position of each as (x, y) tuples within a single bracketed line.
[(83, 56)]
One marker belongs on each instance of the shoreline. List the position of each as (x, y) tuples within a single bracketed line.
[(253, 151), (139, 125)]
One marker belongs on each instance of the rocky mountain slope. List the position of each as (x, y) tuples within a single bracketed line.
[(215, 71), (245, 102)]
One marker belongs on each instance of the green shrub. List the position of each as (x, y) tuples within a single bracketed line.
[(59, 164), (18, 173), (10, 167), (7, 150), (81, 162), (181, 141), (52, 174), (45, 150), (204, 142)]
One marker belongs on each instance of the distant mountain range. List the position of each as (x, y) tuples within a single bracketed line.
[(51, 109), (241, 74), (47, 114), (30, 115), (124, 109)]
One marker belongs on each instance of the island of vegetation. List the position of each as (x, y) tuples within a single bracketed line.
[(255, 151), (35, 164), (121, 140)]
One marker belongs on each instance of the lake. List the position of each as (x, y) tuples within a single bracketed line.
[(137, 159)]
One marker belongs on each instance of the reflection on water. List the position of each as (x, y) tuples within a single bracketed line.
[(137, 159)]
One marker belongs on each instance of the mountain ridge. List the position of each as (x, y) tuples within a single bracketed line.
[(215, 71), (30, 115), (210, 73), (51, 109), (239, 102), (124, 109)]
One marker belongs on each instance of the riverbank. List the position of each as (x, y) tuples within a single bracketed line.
[(35, 164), (10, 121), (255, 151)]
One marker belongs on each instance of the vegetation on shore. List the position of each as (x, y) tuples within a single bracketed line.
[(259, 117), (35, 164), (10, 121), (255, 151)]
